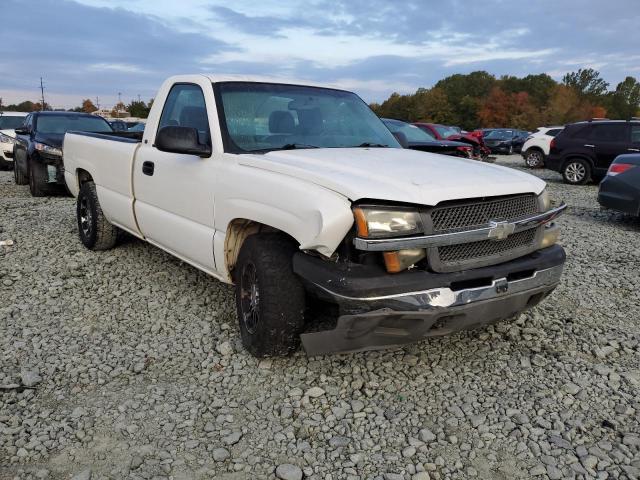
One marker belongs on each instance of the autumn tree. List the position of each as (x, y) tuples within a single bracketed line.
[(88, 106), (495, 109), (433, 106)]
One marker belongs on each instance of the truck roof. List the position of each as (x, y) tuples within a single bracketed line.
[(218, 78)]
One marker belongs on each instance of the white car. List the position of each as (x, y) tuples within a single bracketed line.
[(536, 148), (289, 190), (8, 122)]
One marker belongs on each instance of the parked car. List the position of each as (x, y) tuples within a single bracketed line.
[(620, 189), (414, 138), (118, 125), (38, 147), (505, 140), (9, 121), (445, 132), (293, 189), (583, 151), (138, 127), (536, 146)]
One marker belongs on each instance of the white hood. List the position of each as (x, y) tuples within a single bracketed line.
[(395, 174)]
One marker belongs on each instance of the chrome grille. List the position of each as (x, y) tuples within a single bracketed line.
[(454, 217), (478, 251)]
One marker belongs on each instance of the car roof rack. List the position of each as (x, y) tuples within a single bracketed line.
[(595, 119), (633, 119)]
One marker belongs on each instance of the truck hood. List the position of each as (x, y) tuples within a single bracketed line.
[(395, 174)]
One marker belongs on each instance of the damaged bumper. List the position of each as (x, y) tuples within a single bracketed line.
[(464, 300)]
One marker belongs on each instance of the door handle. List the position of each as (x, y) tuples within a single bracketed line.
[(634, 149), (147, 168), (589, 145)]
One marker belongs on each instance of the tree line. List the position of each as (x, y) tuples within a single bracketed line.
[(134, 109), (479, 99)]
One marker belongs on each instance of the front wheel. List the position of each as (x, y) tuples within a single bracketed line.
[(95, 231), (37, 179), (18, 175), (534, 159), (576, 172), (270, 298)]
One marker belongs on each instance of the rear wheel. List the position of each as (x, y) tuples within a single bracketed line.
[(95, 231), (37, 179), (576, 171), (19, 176), (270, 298), (534, 158)]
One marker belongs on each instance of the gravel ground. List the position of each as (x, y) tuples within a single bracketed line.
[(126, 364)]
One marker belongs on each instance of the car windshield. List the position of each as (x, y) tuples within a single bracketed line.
[(413, 133), (500, 135), (10, 122), (445, 131), (64, 123), (267, 116)]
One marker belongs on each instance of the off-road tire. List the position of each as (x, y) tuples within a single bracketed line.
[(534, 158), (274, 327), (571, 171), (95, 231), (19, 177), (37, 179)]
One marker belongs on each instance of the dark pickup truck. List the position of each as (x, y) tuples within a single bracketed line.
[(37, 151)]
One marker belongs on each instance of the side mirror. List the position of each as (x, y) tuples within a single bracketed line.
[(402, 139), (181, 140), (22, 131)]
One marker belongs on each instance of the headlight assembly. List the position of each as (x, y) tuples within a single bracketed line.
[(544, 200), (382, 222), (41, 147), (6, 139)]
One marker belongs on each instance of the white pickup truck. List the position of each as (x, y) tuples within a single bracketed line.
[(291, 190)]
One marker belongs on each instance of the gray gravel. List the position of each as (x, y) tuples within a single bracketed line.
[(134, 370)]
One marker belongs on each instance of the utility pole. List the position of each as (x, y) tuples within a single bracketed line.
[(98, 103), (42, 92), (0, 104), (119, 97), (138, 98)]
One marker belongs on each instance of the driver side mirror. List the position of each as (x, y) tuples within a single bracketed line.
[(181, 140), (22, 131), (402, 139)]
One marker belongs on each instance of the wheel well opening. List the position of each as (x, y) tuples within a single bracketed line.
[(83, 176), (237, 232)]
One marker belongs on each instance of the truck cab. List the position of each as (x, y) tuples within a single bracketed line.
[(288, 190)]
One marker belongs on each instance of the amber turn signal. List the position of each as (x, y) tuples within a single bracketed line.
[(400, 260)]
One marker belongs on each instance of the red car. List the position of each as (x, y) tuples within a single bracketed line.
[(445, 132)]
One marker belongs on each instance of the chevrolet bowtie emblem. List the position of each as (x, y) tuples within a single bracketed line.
[(500, 230)]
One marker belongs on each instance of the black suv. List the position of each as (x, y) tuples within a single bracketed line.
[(584, 151)]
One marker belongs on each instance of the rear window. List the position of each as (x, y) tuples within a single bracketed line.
[(60, 124), (554, 131)]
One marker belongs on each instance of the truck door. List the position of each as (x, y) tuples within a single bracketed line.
[(174, 192)]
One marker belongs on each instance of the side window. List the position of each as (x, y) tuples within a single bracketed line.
[(582, 132), (185, 107), (610, 133), (635, 133), (28, 122), (553, 132)]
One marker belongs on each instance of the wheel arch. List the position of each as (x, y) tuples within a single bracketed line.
[(237, 232)]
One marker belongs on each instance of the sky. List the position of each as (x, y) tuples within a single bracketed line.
[(98, 48)]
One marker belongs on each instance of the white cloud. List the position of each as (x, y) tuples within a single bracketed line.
[(116, 67)]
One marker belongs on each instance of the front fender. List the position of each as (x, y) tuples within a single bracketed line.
[(318, 218)]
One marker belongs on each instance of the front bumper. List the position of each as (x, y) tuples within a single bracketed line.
[(381, 311)]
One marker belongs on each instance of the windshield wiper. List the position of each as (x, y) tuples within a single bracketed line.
[(371, 145), (294, 146)]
